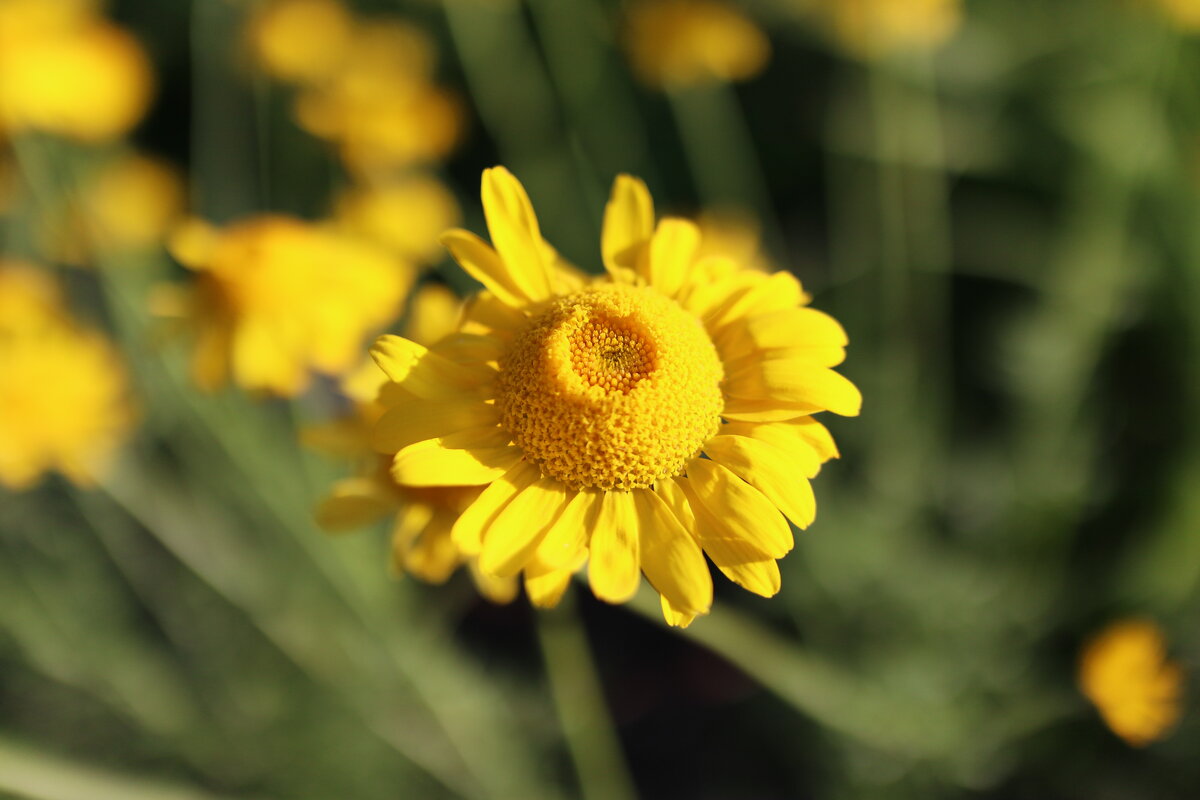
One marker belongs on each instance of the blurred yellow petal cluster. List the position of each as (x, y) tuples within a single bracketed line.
[(1183, 13), (64, 69), (424, 516), (126, 206), (406, 215), (277, 297), (64, 395), (735, 234), (1124, 671), (675, 43), (365, 85), (300, 41), (875, 28)]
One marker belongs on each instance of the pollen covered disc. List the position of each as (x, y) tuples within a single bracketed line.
[(614, 387)]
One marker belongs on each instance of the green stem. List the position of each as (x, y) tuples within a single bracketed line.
[(720, 149), (587, 727)]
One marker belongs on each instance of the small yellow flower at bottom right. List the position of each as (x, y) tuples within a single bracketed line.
[(1125, 672)]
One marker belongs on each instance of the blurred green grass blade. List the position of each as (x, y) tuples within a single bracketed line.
[(518, 108), (721, 152), (587, 727), (38, 775)]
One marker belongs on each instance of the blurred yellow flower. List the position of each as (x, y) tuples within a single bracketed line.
[(64, 394), (381, 107), (407, 215), (635, 421), (1184, 13), (735, 234), (29, 298), (1124, 671), (673, 43), (424, 516), (276, 297), (874, 28), (302, 41), (65, 72), (127, 205)]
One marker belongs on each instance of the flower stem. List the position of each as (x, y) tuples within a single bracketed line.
[(587, 727)]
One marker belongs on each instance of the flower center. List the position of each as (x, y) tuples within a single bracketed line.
[(614, 387)]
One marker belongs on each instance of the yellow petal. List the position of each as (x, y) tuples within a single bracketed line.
[(817, 436), (410, 522), (515, 235), (793, 381), (433, 463), (568, 535), (788, 437), (763, 294), (468, 531), (510, 539), (500, 591), (419, 419), (470, 348), (353, 503), (545, 587), (674, 617), (802, 333), (484, 264), (628, 225), (423, 372), (433, 556), (672, 252), (765, 410), (487, 314), (770, 470), (760, 577), (670, 557), (735, 523), (613, 568)]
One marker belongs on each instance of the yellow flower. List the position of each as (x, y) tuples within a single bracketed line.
[(64, 72), (407, 215), (873, 28), (276, 297), (674, 43), (734, 234), (301, 41), (1183, 13), (637, 420), (1124, 671), (381, 106), (128, 205), (424, 515), (64, 397)]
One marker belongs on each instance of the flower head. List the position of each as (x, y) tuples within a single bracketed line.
[(64, 395), (64, 70), (1124, 671), (674, 43), (635, 421), (423, 515), (277, 297), (873, 28)]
